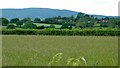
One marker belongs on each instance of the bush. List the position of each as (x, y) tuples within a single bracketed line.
[(65, 25), (41, 27), (103, 24), (29, 25), (19, 24), (51, 26), (11, 26)]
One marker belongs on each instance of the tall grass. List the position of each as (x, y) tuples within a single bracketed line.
[(32, 50)]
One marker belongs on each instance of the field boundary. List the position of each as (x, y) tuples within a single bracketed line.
[(63, 32)]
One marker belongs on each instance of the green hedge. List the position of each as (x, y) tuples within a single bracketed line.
[(64, 32)]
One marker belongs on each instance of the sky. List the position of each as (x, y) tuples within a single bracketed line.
[(99, 7)]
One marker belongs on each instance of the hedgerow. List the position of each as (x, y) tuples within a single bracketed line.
[(63, 32)]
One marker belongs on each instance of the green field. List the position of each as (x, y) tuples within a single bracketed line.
[(31, 50), (42, 24)]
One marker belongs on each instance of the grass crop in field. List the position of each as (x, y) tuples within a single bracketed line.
[(31, 50)]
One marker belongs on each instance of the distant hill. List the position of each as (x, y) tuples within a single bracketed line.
[(102, 16), (35, 12), (39, 13)]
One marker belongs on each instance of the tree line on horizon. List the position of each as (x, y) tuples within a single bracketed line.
[(81, 21)]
